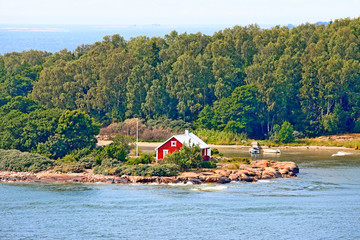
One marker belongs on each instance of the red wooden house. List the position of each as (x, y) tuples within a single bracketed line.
[(176, 142)]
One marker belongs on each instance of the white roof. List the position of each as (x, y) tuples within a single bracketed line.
[(186, 139)]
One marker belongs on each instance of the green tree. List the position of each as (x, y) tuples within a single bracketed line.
[(75, 130), (285, 134), (205, 118)]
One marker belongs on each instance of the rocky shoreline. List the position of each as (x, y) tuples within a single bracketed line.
[(260, 169)]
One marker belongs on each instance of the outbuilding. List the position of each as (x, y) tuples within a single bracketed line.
[(176, 142)]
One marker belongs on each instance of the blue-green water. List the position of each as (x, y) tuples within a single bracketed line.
[(322, 203)]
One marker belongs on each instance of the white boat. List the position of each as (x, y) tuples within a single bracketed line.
[(254, 150), (270, 150), (341, 153)]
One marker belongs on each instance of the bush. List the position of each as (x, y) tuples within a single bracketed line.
[(216, 152), (187, 157), (110, 163), (100, 170), (66, 167), (160, 170), (112, 151), (133, 161), (143, 159), (106, 165), (208, 164), (87, 162), (14, 160)]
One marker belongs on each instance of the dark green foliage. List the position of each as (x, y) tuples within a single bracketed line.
[(208, 164), (109, 163), (187, 157), (106, 166), (75, 130), (21, 104), (69, 167), (87, 162), (14, 160), (143, 159), (205, 118), (24, 131), (17, 86), (112, 151), (161, 170), (285, 134), (216, 152)]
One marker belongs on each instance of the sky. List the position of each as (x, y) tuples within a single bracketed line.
[(168, 12)]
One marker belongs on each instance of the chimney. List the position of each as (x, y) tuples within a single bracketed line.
[(186, 131)]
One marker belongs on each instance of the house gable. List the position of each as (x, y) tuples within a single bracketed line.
[(176, 142), (168, 146)]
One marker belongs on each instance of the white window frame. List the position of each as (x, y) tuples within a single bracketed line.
[(165, 152), (173, 143)]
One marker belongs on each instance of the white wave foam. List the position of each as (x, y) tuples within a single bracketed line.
[(264, 181), (209, 188), (341, 153)]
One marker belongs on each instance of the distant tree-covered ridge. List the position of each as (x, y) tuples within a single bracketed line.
[(244, 80)]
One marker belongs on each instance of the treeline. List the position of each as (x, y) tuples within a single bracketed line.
[(243, 80)]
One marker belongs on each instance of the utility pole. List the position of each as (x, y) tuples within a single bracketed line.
[(137, 136)]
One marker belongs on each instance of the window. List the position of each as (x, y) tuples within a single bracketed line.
[(165, 152), (173, 143)]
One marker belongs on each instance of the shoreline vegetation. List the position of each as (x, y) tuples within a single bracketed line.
[(256, 170)]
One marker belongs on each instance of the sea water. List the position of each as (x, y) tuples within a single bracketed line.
[(322, 203), (53, 38)]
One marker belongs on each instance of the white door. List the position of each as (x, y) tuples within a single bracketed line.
[(165, 151)]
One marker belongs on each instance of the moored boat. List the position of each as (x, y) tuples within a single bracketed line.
[(270, 150)]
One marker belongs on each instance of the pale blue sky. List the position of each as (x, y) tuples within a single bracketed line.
[(175, 11)]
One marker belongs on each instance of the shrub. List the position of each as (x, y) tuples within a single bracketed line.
[(133, 161), (208, 164), (143, 159), (111, 151), (68, 158), (66, 167), (87, 162), (81, 153), (110, 163), (14, 160), (100, 170), (106, 165), (216, 152), (187, 157)]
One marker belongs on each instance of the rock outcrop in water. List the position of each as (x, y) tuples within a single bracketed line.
[(260, 169)]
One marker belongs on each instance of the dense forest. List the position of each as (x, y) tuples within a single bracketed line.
[(243, 79)]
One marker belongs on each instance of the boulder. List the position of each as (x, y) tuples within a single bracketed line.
[(188, 175), (234, 177)]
